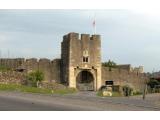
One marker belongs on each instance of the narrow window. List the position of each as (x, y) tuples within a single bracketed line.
[(83, 59), (86, 59)]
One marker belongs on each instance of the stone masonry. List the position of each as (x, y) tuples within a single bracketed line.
[(81, 54)]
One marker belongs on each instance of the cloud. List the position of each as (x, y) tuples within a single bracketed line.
[(2, 38), (127, 36)]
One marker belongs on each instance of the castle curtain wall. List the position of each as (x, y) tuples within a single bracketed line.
[(51, 69), (124, 77)]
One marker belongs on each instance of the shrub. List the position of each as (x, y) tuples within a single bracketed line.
[(153, 83), (127, 90), (35, 77)]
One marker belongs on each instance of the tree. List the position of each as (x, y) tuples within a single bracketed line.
[(35, 77), (110, 64), (152, 83)]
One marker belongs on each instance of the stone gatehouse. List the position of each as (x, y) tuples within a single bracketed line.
[(80, 66), (81, 61)]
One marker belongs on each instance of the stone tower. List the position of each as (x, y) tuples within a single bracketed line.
[(81, 61)]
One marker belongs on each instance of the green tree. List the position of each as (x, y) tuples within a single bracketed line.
[(110, 64), (35, 77), (152, 83)]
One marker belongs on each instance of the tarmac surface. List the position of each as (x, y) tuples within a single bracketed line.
[(81, 101)]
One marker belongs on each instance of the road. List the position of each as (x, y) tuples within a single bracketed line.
[(82, 101)]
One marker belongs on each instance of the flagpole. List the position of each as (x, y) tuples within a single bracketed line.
[(95, 23)]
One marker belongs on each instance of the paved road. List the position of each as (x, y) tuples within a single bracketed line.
[(15, 101)]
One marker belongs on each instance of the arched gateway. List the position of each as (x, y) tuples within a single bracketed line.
[(85, 81)]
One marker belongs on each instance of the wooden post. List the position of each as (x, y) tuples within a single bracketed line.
[(144, 92)]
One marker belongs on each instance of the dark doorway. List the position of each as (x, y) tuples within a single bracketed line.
[(85, 81)]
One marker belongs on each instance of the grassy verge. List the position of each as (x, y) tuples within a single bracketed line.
[(100, 94), (137, 93), (22, 88), (4, 69), (116, 94)]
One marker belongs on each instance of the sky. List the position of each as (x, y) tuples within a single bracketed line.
[(128, 36)]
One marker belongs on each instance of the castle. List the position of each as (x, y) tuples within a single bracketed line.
[(80, 66)]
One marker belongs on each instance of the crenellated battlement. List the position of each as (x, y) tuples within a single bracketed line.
[(77, 36)]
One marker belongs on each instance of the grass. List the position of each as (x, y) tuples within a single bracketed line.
[(4, 69), (100, 94), (137, 93), (23, 88), (65, 91), (114, 94)]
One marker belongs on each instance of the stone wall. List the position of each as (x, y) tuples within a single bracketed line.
[(44, 65), (51, 69), (12, 77), (31, 64), (12, 63), (124, 77), (125, 66), (56, 70)]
